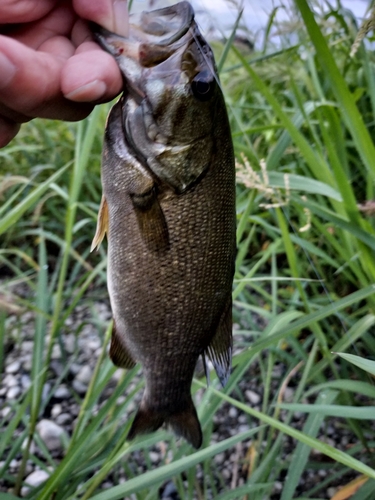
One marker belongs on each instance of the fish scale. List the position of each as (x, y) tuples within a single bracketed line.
[(168, 209)]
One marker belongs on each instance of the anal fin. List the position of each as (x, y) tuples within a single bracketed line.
[(219, 350), (102, 225), (118, 352)]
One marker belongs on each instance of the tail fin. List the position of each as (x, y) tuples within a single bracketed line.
[(184, 423)]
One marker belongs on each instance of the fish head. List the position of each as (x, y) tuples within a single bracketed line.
[(171, 93)]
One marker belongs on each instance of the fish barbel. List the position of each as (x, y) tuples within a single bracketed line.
[(168, 208)]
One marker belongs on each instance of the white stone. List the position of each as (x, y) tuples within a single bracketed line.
[(5, 411), (27, 363), (79, 387), (252, 397), (32, 448), (64, 419), (94, 344), (84, 375), (25, 381), (56, 410), (10, 380), (13, 392), (13, 367), (233, 412), (69, 342), (33, 480), (154, 457), (50, 433), (56, 352), (27, 346), (62, 392)]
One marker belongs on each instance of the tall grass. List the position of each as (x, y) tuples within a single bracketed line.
[(302, 119)]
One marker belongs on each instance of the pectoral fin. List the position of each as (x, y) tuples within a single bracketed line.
[(220, 349), (102, 225), (151, 220), (118, 352)]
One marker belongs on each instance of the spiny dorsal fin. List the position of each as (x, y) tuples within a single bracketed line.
[(220, 349), (118, 352), (101, 226)]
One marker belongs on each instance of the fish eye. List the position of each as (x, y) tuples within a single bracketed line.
[(203, 86)]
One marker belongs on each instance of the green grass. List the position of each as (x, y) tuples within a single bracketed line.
[(302, 119)]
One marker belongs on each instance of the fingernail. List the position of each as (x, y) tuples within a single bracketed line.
[(7, 71), (90, 92)]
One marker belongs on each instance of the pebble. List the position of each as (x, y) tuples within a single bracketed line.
[(84, 375), (62, 392), (233, 412), (70, 343), (252, 397), (75, 368), (32, 448), (14, 392), (154, 456), (10, 380), (79, 387), (27, 363), (13, 464), (33, 480), (63, 419), (51, 434), (56, 410), (169, 490), (27, 346), (13, 367), (94, 344), (5, 411), (242, 428), (25, 381), (57, 367), (56, 352)]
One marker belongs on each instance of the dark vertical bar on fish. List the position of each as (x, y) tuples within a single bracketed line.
[(168, 209)]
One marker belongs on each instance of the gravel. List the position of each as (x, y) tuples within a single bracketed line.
[(51, 434), (34, 479), (69, 376)]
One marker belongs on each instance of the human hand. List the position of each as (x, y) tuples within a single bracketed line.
[(49, 65)]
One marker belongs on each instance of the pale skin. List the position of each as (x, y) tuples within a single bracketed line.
[(50, 67)]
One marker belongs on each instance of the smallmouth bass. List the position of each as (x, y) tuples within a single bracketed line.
[(168, 208)]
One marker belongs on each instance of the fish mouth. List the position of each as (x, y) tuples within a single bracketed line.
[(153, 36)]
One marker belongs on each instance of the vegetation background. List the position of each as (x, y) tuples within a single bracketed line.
[(303, 124)]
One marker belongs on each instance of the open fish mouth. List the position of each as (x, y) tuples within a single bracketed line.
[(163, 41), (153, 36)]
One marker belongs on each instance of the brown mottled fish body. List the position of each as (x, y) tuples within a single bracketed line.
[(168, 207)]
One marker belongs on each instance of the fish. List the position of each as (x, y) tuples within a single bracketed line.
[(168, 210)]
